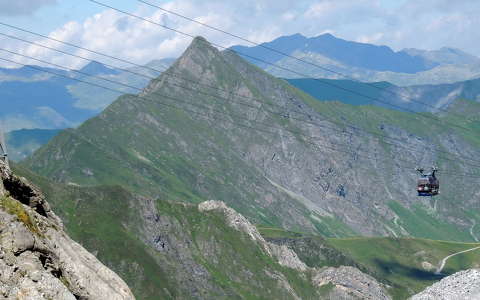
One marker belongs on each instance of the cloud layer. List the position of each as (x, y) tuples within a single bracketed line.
[(428, 24)]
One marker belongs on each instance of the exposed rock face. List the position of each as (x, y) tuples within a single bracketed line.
[(285, 256), (37, 259), (347, 282), (350, 283), (234, 219), (464, 285)]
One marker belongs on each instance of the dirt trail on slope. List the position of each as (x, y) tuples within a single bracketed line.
[(444, 261)]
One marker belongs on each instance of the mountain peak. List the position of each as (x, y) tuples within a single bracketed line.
[(200, 39), (97, 68), (329, 35), (199, 43), (199, 59), (199, 53)]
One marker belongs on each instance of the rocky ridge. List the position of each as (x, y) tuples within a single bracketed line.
[(346, 282), (37, 258)]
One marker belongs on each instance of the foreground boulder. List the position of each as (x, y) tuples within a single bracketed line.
[(37, 258), (463, 285)]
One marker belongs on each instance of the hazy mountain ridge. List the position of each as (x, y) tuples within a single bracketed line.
[(444, 55), (418, 98), (364, 62), (359, 55), (42, 100)]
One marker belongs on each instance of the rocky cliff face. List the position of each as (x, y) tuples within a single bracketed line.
[(37, 258), (464, 285), (344, 282)]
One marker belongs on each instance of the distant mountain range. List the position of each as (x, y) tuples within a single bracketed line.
[(359, 55), (38, 99), (419, 98), (365, 62)]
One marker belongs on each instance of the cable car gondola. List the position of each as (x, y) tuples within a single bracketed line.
[(428, 184)]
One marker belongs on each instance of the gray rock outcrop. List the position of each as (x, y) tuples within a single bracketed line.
[(350, 283), (37, 258), (463, 285), (346, 282)]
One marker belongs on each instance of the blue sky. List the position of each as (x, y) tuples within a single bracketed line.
[(53, 14), (426, 24)]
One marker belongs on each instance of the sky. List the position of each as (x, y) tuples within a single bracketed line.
[(399, 24)]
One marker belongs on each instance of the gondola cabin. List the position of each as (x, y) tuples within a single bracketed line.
[(428, 184)]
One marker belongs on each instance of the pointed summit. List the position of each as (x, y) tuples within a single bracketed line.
[(200, 62), (96, 68), (200, 53)]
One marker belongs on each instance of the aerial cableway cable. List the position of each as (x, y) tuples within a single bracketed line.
[(206, 115), (207, 94), (147, 98), (355, 154), (167, 73), (285, 54), (183, 78), (163, 95), (286, 69)]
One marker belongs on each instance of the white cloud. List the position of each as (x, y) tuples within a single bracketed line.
[(426, 24), (370, 39)]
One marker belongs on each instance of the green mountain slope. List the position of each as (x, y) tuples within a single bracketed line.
[(170, 251), (174, 251), (407, 265), (275, 154)]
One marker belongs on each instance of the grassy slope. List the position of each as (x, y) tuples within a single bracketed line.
[(400, 260), (104, 221), (395, 261), (92, 216)]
